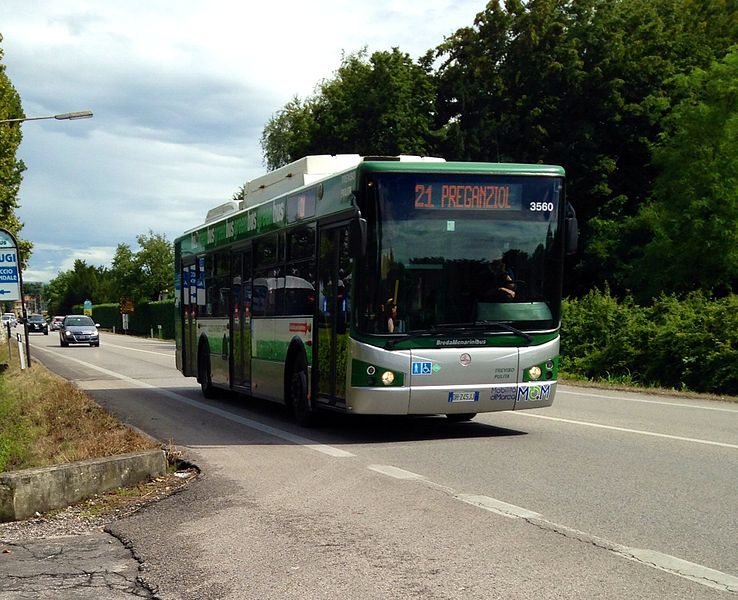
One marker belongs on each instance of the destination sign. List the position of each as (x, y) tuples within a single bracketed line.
[(467, 196)]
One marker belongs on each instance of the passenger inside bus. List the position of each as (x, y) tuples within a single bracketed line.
[(391, 316), (502, 281)]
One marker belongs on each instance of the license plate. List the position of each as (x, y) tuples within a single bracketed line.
[(463, 396)]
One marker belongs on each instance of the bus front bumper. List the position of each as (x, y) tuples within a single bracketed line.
[(451, 400)]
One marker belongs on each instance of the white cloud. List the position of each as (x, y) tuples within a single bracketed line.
[(180, 93)]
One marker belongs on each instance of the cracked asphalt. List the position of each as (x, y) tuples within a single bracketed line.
[(71, 554), (94, 565)]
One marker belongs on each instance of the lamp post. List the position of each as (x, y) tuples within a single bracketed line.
[(70, 116)]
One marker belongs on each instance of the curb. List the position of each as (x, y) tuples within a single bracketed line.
[(24, 493)]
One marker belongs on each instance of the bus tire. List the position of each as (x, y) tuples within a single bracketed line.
[(460, 417), (203, 372), (298, 393)]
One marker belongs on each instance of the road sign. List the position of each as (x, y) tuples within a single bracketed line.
[(9, 275), (126, 306)]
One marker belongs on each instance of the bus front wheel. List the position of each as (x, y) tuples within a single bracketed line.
[(203, 373)]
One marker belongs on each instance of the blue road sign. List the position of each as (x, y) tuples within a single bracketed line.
[(9, 276)]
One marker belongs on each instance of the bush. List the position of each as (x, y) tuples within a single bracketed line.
[(689, 344)]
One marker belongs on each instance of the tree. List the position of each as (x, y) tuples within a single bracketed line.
[(56, 294), (155, 261), (71, 288), (11, 169), (125, 274), (288, 135), (693, 216), (383, 104)]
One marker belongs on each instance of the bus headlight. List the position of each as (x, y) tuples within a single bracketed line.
[(534, 372), (388, 377)]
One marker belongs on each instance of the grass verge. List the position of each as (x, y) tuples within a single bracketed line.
[(45, 420)]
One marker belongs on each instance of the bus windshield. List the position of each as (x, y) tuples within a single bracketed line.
[(461, 250)]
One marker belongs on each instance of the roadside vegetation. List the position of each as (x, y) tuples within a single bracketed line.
[(45, 420), (687, 345)]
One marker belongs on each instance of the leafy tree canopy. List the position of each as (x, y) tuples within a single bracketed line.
[(382, 104), (11, 168), (693, 216)]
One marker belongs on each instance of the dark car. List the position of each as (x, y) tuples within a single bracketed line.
[(37, 324), (79, 329)]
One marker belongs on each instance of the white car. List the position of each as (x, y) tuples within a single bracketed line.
[(9, 318)]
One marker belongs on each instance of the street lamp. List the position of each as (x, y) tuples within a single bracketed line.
[(70, 116)]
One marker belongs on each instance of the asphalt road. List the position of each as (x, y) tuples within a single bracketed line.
[(603, 495)]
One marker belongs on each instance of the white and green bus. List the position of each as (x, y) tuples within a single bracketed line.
[(380, 285)]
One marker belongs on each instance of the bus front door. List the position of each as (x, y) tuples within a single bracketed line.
[(333, 309)]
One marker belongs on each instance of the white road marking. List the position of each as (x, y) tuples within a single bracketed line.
[(650, 558), (626, 430), (168, 354), (497, 506), (395, 472), (644, 401), (278, 433)]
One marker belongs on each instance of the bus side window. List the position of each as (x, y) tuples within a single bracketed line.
[(299, 294), (266, 277)]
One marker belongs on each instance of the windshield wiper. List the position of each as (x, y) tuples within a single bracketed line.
[(507, 327)]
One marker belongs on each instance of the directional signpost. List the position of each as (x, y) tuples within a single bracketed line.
[(9, 272), (11, 279)]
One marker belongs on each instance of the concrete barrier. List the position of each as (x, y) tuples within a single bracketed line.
[(24, 493)]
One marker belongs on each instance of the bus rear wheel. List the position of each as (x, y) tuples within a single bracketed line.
[(460, 417), (203, 373), (298, 394)]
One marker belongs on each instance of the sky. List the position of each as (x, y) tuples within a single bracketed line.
[(180, 91)]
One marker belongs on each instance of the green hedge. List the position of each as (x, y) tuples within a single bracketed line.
[(145, 317), (688, 344)]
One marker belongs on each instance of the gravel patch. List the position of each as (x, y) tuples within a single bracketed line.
[(96, 513)]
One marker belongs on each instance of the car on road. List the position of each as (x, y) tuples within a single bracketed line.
[(79, 329), (9, 318), (56, 322), (37, 324)]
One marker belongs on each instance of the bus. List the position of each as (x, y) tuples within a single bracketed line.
[(398, 285)]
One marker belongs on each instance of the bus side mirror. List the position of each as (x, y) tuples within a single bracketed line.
[(357, 237), (572, 229)]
